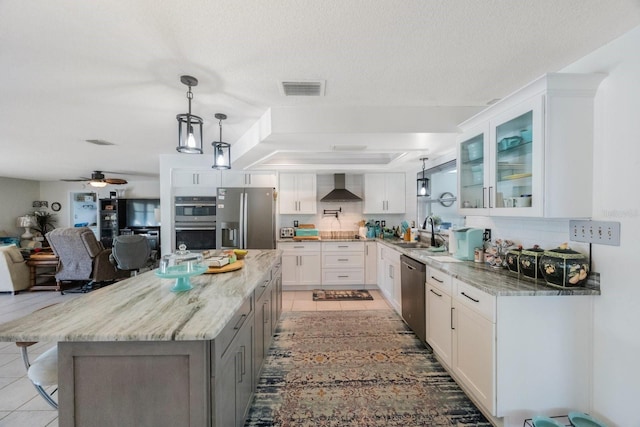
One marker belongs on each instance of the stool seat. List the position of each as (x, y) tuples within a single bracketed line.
[(44, 370)]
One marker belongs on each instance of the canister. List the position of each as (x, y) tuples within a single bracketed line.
[(478, 255), (530, 262)]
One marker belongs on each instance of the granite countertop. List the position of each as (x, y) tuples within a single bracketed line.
[(142, 308), (499, 282)]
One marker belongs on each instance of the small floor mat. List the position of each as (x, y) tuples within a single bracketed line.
[(350, 295)]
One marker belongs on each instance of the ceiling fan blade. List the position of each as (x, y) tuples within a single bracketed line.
[(76, 180), (115, 181)]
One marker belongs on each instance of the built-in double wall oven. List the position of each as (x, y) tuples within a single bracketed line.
[(195, 222)]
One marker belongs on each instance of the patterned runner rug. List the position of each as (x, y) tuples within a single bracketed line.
[(355, 368), (351, 295)]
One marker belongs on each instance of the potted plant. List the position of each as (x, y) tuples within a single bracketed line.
[(43, 222)]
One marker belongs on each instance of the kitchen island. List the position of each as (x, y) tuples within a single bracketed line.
[(135, 353)]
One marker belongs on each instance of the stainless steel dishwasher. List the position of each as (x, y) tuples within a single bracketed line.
[(413, 275)]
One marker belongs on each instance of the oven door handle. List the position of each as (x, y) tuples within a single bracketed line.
[(194, 228)]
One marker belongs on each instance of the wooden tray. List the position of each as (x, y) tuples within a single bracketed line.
[(226, 268)]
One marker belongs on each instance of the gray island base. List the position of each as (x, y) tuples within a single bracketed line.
[(136, 354)]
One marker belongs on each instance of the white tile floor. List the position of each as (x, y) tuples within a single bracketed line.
[(21, 406)]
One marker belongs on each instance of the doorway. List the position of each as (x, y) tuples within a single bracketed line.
[(84, 210)]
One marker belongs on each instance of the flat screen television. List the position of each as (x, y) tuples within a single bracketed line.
[(143, 213)]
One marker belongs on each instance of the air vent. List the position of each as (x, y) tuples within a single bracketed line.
[(302, 88), (99, 142)]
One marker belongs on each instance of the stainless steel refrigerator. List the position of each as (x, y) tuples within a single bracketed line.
[(245, 218)]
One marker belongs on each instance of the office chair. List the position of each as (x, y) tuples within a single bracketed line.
[(132, 252)]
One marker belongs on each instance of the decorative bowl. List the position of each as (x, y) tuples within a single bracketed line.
[(564, 267)]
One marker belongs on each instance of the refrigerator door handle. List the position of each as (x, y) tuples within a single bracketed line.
[(244, 221)]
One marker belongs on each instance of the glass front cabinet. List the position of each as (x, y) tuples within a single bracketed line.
[(519, 157)]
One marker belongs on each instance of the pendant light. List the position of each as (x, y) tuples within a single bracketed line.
[(423, 183), (221, 150), (189, 126)]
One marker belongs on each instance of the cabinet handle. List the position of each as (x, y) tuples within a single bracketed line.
[(490, 188), (343, 277), (434, 292), (484, 190), (437, 280), (452, 308), (391, 271), (343, 246), (410, 267), (264, 312), (366, 250), (343, 259), (240, 322), (238, 364), (472, 299), (298, 247)]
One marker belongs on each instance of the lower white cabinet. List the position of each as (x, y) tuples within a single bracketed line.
[(439, 313), (370, 265), (301, 264), (513, 355), (342, 264), (474, 343), (389, 276)]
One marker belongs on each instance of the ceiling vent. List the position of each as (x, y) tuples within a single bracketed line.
[(302, 88), (99, 142)]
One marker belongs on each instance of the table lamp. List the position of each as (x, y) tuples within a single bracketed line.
[(26, 222)]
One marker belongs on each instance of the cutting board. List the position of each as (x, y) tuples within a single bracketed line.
[(306, 238), (226, 268)]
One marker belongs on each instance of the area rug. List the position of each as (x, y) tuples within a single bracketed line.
[(350, 295), (355, 368)]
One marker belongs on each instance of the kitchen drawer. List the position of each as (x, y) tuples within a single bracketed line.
[(439, 279), (343, 260), (343, 246), (225, 337), (300, 246), (343, 277), (481, 302)]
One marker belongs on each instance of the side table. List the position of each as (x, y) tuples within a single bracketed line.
[(46, 260)]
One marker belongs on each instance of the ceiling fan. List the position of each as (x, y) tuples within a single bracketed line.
[(99, 180)]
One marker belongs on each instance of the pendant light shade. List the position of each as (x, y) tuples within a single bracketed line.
[(221, 150), (189, 125), (423, 183)]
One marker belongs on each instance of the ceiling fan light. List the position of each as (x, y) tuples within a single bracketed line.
[(98, 184)]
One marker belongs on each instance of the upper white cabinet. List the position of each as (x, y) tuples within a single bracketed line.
[(248, 179), (531, 154), (384, 193), (195, 178), (297, 193)]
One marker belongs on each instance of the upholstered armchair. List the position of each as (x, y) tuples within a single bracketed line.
[(14, 272), (82, 257)]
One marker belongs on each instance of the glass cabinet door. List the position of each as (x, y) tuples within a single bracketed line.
[(472, 171)]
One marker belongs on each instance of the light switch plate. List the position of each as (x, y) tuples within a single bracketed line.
[(599, 232)]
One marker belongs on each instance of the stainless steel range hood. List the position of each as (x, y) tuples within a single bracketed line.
[(340, 193)]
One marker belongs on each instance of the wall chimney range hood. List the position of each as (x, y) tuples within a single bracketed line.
[(340, 193)]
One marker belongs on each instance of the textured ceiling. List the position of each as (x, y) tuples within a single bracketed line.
[(75, 70)]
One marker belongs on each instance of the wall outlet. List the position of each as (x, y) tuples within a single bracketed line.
[(600, 232), (486, 236)]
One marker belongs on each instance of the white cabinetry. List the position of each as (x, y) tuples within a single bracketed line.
[(370, 265), (439, 314), (297, 193), (384, 193), (342, 264), (195, 178), (301, 265), (389, 276), (513, 156), (248, 179), (497, 348), (474, 343)]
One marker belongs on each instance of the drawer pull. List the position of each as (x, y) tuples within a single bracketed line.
[(343, 246), (240, 322), (437, 280), (472, 299), (434, 292), (343, 259), (452, 308)]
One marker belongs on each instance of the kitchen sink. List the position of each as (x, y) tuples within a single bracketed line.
[(417, 245)]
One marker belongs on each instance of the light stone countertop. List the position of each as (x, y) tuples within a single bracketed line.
[(142, 308), (499, 282)]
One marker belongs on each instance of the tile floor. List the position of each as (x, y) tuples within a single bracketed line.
[(21, 406)]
